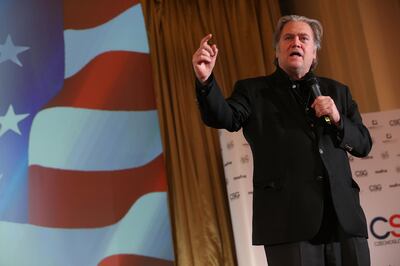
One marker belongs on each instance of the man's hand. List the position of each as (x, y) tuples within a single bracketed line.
[(204, 58), (325, 106)]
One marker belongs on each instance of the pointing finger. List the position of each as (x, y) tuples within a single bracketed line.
[(205, 39)]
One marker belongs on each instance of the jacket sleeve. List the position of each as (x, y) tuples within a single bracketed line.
[(218, 112), (354, 136)]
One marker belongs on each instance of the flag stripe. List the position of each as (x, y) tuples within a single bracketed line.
[(106, 140), (145, 231), (81, 46), (77, 199), (125, 84), (77, 12)]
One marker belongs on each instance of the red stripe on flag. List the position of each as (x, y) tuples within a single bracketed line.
[(117, 80), (78, 14), (75, 199), (133, 260)]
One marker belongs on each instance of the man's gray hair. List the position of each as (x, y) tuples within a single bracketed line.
[(315, 25)]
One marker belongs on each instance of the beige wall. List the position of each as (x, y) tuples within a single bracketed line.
[(360, 47)]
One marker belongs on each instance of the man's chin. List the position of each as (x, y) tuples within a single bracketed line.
[(296, 65)]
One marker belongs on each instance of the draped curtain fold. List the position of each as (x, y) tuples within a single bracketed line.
[(197, 192)]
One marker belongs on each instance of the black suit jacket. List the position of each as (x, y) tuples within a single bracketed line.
[(287, 153)]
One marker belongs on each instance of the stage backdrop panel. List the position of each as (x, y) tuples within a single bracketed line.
[(378, 176)]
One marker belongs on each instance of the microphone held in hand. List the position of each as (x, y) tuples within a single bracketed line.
[(314, 84)]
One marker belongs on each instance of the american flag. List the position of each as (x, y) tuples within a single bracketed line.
[(82, 178)]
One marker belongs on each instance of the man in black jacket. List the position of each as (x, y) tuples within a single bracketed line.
[(306, 207)]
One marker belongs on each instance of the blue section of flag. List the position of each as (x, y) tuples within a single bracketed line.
[(31, 73)]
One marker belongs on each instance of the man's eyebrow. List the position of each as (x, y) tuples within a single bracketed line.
[(301, 33)]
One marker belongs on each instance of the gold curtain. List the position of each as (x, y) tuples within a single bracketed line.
[(243, 33), (359, 47)]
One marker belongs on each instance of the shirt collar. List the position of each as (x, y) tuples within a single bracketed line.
[(284, 78)]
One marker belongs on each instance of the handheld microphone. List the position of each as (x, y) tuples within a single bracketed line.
[(314, 84)]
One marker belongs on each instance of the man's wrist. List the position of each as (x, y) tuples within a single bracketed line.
[(204, 87), (206, 81)]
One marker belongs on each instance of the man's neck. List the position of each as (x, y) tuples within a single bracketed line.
[(295, 75)]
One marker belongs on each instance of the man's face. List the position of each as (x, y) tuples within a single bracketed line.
[(296, 49)]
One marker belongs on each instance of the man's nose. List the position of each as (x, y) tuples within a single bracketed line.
[(296, 42)]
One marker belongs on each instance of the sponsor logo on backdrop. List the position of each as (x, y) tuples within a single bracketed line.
[(250, 193), (394, 185), (239, 177), (230, 145), (374, 124), (398, 169), (375, 187), (245, 159), (361, 173), (227, 163), (389, 138), (386, 230), (385, 155), (234, 195), (394, 122), (381, 171), (246, 144)]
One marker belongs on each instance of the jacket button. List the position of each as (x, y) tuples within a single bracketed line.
[(321, 151), (320, 178)]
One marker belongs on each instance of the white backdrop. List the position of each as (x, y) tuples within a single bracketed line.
[(378, 176)]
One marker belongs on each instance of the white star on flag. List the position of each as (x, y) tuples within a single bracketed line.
[(10, 121), (9, 51)]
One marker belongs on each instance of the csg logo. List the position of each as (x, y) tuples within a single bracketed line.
[(394, 122), (361, 173), (394, 222), (234, 195), (375, 187)]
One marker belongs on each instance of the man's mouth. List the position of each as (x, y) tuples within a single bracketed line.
[(295, 53)]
